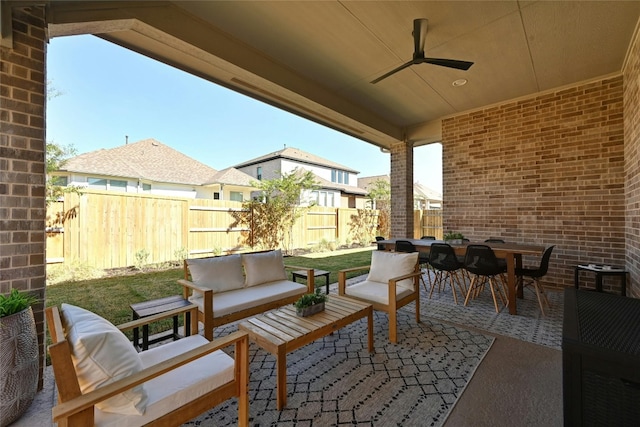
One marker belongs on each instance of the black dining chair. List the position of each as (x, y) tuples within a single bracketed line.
[(532, 276), (483, 264), (501, 262), (446, 265), (407, 246)]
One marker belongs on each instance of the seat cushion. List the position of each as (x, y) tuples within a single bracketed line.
[(102, 354), (263, 267), (388, 265), (375, 291), (242, 299), (221, 274), (179, 386)]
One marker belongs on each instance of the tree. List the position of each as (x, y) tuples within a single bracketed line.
[(270, 215), (380, 198), (56, 156)]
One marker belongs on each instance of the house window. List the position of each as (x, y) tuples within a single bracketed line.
[(98, 183), (216, 195), (346, 178), (236, 196), (259, 173), (146, 188), (333, 175), (323, 198), (61, 181), (117, 185)]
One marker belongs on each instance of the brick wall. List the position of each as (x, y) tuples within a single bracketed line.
[(401, 190), (22, 147), (632, 162), (547, 170)]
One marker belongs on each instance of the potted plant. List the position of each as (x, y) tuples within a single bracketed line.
[(453, 238), (19, 367), (309, 304)]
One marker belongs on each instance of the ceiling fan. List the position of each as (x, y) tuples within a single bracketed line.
[(419, 35)]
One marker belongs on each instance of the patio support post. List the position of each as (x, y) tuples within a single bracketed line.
[(402, 189), (22, 156)]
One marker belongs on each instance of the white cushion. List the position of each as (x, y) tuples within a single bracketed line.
[(102, 354), (263, 267), (179, 386), (242, 299), (376, 291), (221, 273), (388, 265)]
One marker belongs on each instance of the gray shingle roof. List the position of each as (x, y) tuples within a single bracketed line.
[(147, 159), (299, 156), (232, 176)]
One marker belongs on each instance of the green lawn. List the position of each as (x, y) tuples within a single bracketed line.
[(111, 297)]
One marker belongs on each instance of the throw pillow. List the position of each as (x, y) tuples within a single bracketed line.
[(223, 273), (387, 265), (263, 267), (102, 354)]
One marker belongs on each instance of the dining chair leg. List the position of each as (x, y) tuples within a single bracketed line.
[(471, 285), (542, 297), (453, 288), (493, 293)]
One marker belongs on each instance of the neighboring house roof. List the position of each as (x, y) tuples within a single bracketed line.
[(299, 156), (232, 176), (366, 181), (147, 159), (420, 191)]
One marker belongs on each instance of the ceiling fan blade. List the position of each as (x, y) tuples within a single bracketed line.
[(451, 63), (419, 35), (395, 70)]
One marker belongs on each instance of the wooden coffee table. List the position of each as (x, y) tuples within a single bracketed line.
[(281, 331)]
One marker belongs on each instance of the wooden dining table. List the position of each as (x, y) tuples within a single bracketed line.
[(510, 252)]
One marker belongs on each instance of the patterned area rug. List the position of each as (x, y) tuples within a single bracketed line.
[(528, 325), (336, 381)]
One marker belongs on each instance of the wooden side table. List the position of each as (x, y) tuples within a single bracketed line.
[(600, 271), (157, 306), (316, 273)]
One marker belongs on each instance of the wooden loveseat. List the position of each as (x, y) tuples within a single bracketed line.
[(231, 287), (103, 381)]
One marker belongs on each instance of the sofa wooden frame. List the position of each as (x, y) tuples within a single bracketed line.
[(208, 317), (77, 409)]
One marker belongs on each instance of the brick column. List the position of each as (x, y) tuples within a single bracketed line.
[(402, 190), (22, 157)]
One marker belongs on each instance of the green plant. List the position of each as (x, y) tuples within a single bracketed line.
[(453, 236), (15, 302), (307, 300), (142, 257)]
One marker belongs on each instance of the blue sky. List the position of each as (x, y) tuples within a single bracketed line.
[(108, 92)]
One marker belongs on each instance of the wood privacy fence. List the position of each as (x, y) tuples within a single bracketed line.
[(113, 230)]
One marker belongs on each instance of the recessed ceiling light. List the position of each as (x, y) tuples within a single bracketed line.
[(459, 82)]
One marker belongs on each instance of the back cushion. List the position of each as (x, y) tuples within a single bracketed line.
[(263, 267), (221, 274), (387, 265), (102, 354)]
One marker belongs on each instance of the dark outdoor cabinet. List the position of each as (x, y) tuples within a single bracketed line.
[(601, 359)]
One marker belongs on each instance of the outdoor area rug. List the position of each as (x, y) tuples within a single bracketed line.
[(336, 381), (528, 325)]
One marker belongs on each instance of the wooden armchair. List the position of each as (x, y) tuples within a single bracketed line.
[(167, 385), (393, 282)]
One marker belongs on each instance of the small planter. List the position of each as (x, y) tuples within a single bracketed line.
[(309, 310), (454, 241)]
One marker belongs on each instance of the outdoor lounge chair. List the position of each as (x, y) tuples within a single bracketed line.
[(103, 381), (392, 283)]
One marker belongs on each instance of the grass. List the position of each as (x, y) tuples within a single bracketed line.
[(111, 297)]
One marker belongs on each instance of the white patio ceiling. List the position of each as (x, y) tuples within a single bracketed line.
[(317, 59)]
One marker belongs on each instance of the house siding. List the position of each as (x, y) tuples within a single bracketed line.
[(547, 170)]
